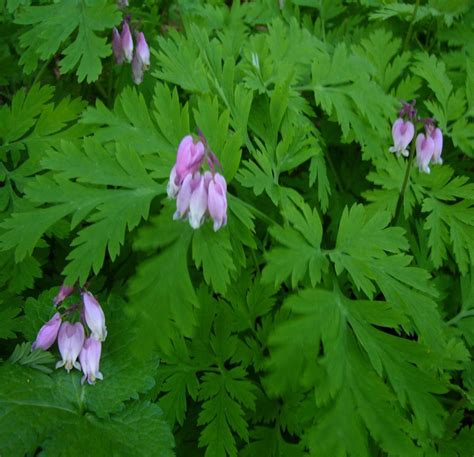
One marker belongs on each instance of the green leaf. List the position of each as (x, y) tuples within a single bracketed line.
[(30, 417), (343, 88), (131, 123), (116, 210), (449, 224), (348, 374), (9, 322), (213, 251), (371, 251), (300, 255), (161, 290), (64, 18), (222, 412)]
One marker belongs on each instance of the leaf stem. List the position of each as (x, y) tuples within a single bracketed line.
[(460, 316), (401, 196), (410, 28)]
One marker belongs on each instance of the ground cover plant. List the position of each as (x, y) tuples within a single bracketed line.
[(236, 228)]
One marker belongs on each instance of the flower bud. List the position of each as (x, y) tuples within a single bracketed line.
[(47, 334), (437, 137), (70, 341), (172, 188), (424, 151), (94, 316), (402, 134), (117, 46), (64, 292), (188, 158), (143, 51), (90, 360), (137, 70), (217, 201), (198, 204), (127, 42)]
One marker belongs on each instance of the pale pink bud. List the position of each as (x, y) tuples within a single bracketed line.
[(188, 158), (402, 134), (117, 46), (184, 196), (137, 70), (47, 334), (94, 316), (90, 360), (217, 201), (70, 341), (424, 151), (437, 137), (198, 204), (127, 42), (172, 188), (143, 51), (141, 59), (64, 292)]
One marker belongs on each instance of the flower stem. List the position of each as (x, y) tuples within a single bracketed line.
[(401, 196), (460, 316)]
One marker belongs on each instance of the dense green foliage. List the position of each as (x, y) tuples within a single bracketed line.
[(320, 320)]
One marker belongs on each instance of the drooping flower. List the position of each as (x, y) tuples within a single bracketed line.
[(47, 334), (437, 137), (141, 59), (64, 292), (117, 46), (94, 316), (70, 341), (198, 204), (425, 147), (188, 160), (402, 134), (90, 360), (217, 200), (183, 200), (127, 42)]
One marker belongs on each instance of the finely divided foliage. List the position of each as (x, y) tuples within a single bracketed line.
[(273, 203)]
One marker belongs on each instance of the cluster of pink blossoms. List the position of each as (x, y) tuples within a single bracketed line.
[(197, 195), (122, 45), (429, 145), (73, 342)]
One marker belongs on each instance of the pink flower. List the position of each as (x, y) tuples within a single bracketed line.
[(141, 59), (402, 134), (94, 316), (117, 46), (425, 147), (188, 161), (143, 51), (90, 360), (189, 157), (217, 201), (437, 137), (70, 341), (198, 204), (127, 42), (190, 183), (64, 292), (47, 334)]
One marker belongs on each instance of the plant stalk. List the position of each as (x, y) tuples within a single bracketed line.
[(401, 196)]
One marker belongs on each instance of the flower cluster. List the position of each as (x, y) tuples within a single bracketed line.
[(122, 45), (198, 195), (78, 339), (428, 145)]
